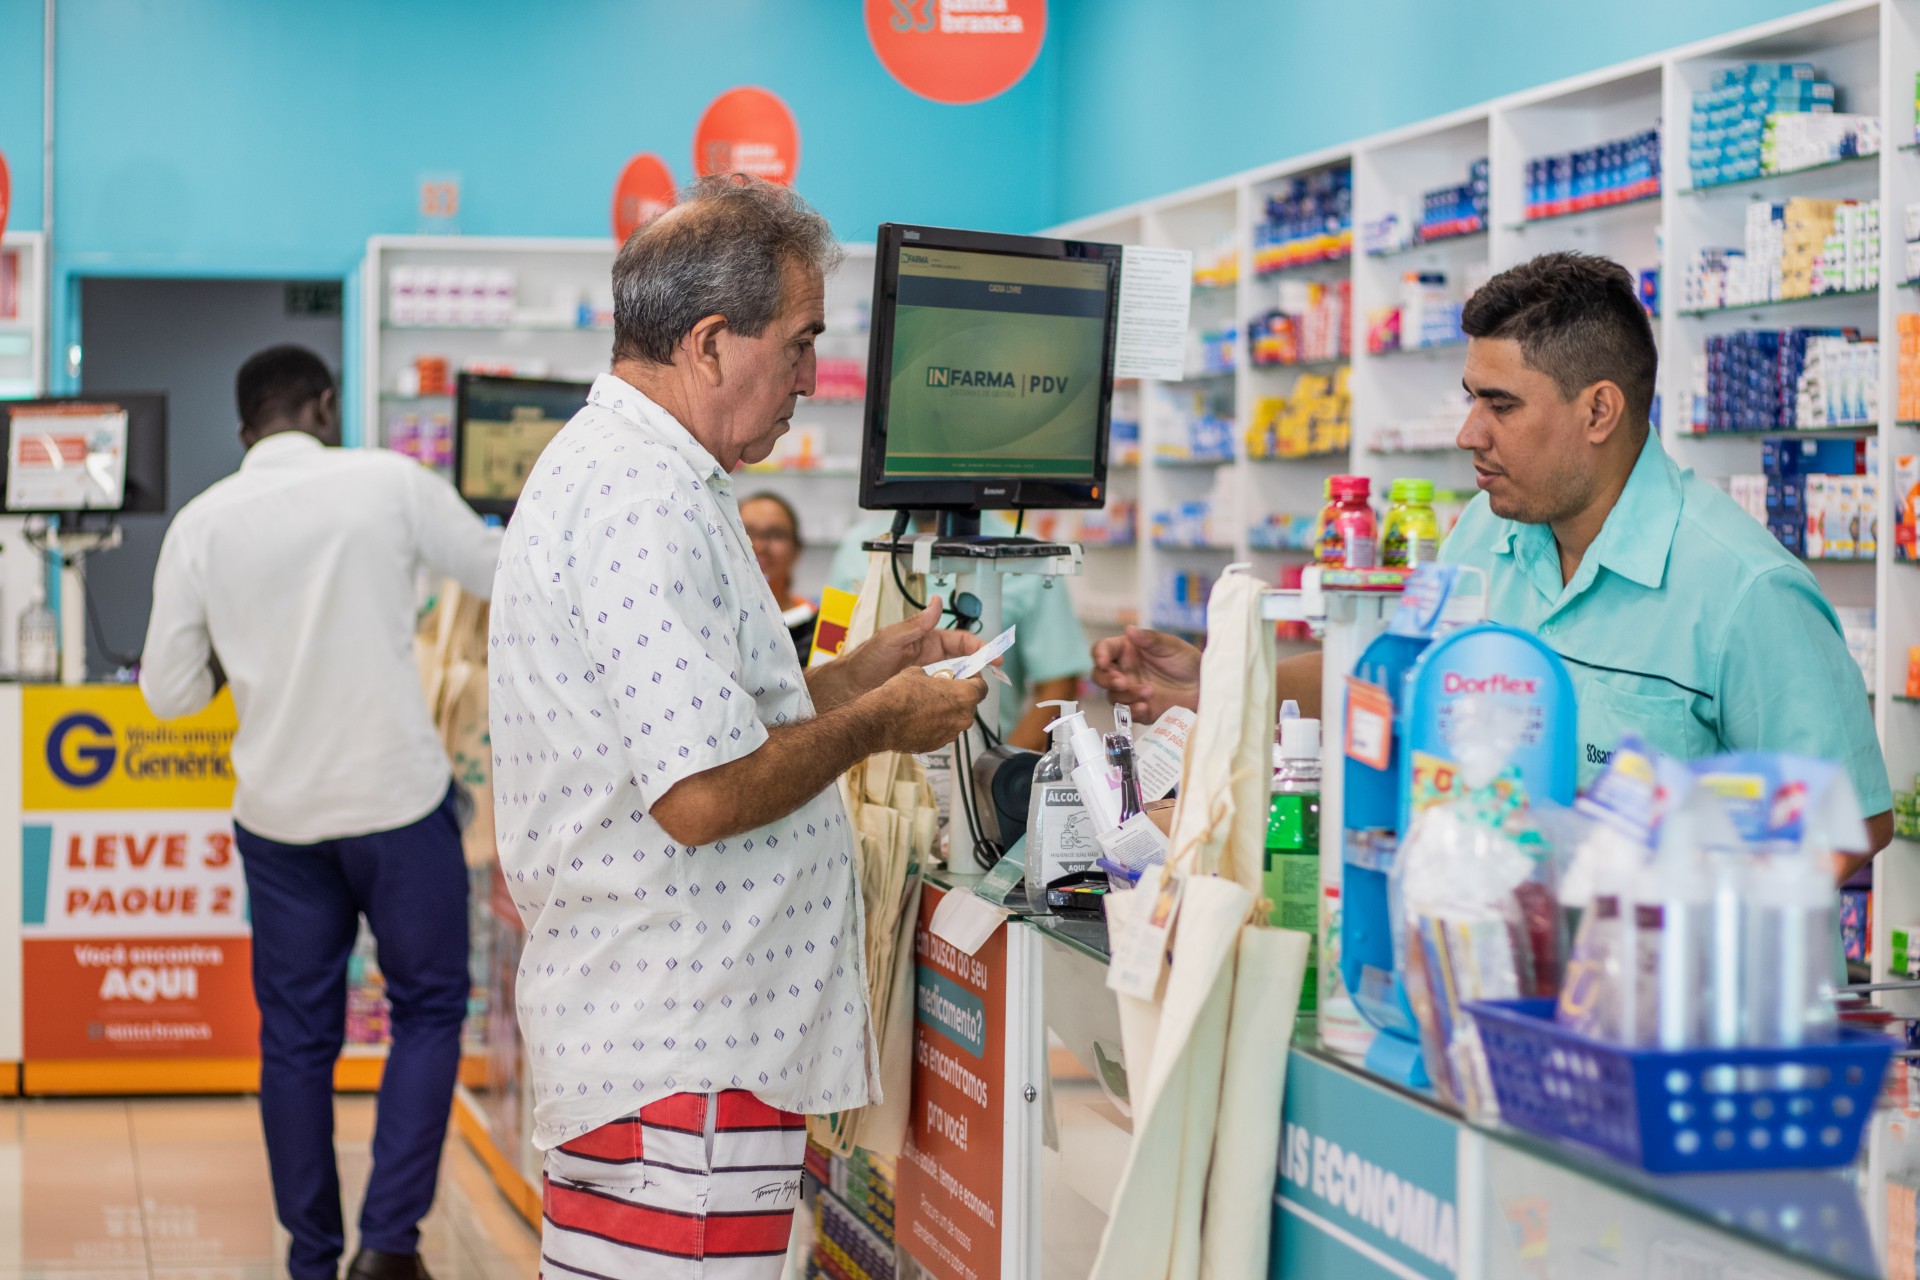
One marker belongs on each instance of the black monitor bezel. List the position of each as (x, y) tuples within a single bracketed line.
[(973, 493), (136, 498), (463, 384)]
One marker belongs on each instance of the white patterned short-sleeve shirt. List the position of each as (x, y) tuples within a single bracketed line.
[(635, 643)]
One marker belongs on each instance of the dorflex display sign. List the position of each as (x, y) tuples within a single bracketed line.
[(1367, 1181), (948, 1204), (957, 51), (134, 909)]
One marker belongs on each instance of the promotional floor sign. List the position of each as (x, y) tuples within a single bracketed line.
[(947, 1206), (134, 910)]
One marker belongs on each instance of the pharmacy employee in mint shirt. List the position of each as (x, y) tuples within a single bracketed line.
[(1679, 616)]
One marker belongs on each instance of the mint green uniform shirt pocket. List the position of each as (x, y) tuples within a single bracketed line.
[(1611, 708)]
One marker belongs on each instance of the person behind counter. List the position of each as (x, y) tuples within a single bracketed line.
[(294, 580), (774, 529), (1679, 616), (1050, 655), (671, 827)]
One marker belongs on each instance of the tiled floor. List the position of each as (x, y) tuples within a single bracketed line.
[(176, 1189)]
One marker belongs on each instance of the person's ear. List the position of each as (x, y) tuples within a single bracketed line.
[(702, 347), (1606, 410)]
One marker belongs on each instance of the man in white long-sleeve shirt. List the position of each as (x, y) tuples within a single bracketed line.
[(295, 580)]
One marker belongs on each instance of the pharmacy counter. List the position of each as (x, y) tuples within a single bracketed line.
[(1378, 1180)]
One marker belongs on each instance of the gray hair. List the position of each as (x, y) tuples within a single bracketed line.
[(722, 251)]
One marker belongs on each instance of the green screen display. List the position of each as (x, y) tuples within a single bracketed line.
[(996, 366)]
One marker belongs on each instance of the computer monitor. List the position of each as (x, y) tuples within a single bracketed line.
[(990, 374), (500, 425), (102, 451)]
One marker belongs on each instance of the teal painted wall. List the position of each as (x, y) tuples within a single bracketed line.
[(20, 119), (225, 136), (1156, 96)]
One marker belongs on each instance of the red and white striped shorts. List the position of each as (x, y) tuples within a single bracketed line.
[(692, 1187)]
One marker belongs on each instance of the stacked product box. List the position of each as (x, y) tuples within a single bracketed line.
[(1728, 131), (1428, 316), (1906, 327), (1803, 140), (1123, 449), (1213, 350), (1310, 221), (1910, 256), (451, 296), (1180, 601), (853, 1209), (1906, 825), (1798, 249), (1436, 431), (1196, 431), (1314, 421), (1616, 172), (1839, 385), (1822, 496), (1285, 531), (1190, 525), (1444, 213), (1856, 925), (1310, 324), (1750, 380), (1906, 511), (1113, 525)]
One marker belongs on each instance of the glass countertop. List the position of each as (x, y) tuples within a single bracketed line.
[(1841, 1222)]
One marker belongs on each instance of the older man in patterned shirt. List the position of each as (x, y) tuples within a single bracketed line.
[(664, 769)]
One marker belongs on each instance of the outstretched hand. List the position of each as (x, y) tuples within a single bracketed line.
[(1149, 671)]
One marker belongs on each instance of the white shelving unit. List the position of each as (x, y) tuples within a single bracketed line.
[(560, 328), (23, 367), (1869, 48)]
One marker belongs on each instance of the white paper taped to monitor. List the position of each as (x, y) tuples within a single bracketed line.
[(67, 457)]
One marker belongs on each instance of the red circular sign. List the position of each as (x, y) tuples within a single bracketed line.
[(957, 51), (6, 193), (747, 130), (644, 192)]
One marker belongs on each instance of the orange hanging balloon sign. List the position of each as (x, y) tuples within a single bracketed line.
[(747, 130), (957, 51), (644, 192)]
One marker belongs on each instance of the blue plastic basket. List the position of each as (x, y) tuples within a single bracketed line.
[(1689, 1111)]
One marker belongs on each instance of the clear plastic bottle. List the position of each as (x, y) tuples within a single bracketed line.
[(39, 660), (1292, 878), (1056, 820)]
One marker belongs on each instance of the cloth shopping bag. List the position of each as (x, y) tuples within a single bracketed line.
[(892, 811), (1195, 1198)]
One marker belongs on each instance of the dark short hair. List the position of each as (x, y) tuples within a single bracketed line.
[(722, 251), (765, 495), (1578, 319), (278, 382)]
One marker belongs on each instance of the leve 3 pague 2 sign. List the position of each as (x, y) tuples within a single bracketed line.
[(134, 925), (957, 51)]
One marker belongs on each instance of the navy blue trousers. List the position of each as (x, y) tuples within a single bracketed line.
[(306, 901)]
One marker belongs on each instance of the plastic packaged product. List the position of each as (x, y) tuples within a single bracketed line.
[(1609, 834), (1292, 872), (1410, 533), (1791, 815), (1471, 892), (1059, 834), (39, 654), (1347, 528)]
